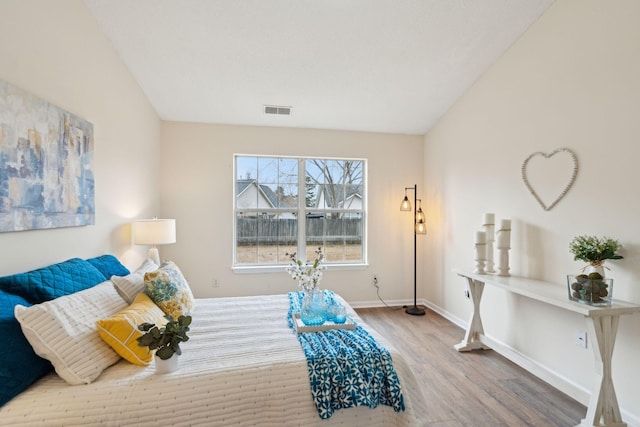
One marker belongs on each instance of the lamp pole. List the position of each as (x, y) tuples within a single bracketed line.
[(415, 310)]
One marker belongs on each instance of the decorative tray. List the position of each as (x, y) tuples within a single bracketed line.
[(326, 326)]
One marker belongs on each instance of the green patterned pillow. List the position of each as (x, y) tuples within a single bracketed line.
[(168, 288)]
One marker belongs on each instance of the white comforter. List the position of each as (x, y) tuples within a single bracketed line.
[(243, 366)]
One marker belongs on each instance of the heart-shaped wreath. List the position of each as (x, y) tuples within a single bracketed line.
[(567, 186)]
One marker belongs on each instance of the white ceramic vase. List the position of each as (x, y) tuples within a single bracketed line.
[(596, 269), (167, 366)]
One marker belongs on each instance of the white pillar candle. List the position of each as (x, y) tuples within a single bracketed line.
[(489, 219), (489, 231), (481, 252), (481, 237), (504, 234)]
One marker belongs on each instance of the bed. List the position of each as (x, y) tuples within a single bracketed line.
[(242, 366)]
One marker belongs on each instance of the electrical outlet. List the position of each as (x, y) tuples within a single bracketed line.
[(581, 338), (374, 280), (467, 294), (215, 283)]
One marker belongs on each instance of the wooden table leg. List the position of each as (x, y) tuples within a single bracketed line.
[(472, 338), (603, 407)]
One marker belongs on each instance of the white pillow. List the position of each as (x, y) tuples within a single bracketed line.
[(131, 285), (64, 331)]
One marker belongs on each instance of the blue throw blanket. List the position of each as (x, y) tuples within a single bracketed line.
[(347, 367)]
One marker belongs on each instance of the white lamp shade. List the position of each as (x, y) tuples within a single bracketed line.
[(154, 231)]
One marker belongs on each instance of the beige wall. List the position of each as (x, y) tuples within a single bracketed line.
[(570, 81), (197, 189), (56, 51)]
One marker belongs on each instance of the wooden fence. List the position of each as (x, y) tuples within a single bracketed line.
[(271, 231)]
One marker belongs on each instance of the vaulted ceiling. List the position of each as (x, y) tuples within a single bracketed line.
[(369, 65)]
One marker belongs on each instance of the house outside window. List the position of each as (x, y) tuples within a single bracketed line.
[(272, 194)]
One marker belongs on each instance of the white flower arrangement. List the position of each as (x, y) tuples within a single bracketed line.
[(307, 274)]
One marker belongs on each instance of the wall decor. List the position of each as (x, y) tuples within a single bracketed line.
[(46, 172), (567, 186)]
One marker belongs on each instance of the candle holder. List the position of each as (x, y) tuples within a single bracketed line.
[(503, 262), (504, 244), (490, 239), (480, 258)]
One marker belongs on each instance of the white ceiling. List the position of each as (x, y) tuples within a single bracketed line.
[(373, 65)]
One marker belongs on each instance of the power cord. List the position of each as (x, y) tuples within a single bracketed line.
[(375, 284)]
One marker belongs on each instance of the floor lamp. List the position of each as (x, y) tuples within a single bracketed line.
[(419, 227)]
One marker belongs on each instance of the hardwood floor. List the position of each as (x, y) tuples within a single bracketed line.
[(479, 388)]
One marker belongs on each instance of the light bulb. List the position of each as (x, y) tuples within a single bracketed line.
[(406, 204)]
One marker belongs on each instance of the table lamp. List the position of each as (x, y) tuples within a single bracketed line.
[(154, 232)]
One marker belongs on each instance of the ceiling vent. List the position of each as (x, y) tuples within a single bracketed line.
[(277, 109)]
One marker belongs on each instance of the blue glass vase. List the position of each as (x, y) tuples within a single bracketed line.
[(313, 311), (336, 313)]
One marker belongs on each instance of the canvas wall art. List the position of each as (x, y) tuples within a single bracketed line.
[(46, 171)]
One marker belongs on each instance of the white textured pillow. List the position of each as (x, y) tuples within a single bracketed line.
[(131, 285), (64, 331)]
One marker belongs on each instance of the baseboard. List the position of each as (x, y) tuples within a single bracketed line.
[(447, 315), (378, 303), (550, 376), (631, 420)]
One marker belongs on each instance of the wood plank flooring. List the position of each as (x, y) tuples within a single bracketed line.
[(479, 388)]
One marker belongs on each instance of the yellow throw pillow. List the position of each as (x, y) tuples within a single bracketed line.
[(121, 331)]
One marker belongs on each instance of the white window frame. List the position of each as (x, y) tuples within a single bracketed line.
[(302, 209)]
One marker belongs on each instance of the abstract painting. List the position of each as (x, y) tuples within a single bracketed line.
[(46, 171)]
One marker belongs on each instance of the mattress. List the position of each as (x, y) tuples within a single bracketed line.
[(243, 366)]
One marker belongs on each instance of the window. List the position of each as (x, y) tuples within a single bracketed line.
[(273, 194)]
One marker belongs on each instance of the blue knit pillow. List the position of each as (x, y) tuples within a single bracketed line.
[(19, 365), (109, 266), (53, 281)]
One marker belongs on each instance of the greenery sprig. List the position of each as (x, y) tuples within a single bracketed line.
[(165, 340), (594, 250)]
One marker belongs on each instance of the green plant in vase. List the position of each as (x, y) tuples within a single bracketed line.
[(165, 340), (594, 251), (592, 288)]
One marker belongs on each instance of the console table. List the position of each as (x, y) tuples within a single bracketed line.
[(602, 324)]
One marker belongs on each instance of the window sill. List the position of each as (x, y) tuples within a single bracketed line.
[(260, 269)]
